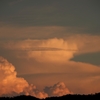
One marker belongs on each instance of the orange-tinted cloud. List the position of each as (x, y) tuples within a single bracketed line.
[(50, 50), (36, 32), (58, 89), (85, 43), (8, 31), (55, 49), (62, 51), (10, 83), (53, 56), (33, 91)]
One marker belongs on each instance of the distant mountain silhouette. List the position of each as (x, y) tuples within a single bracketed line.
[(65, 97)]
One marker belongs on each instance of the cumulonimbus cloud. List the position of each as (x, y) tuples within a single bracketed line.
[(54, 49), (10, 83), (47, 55)]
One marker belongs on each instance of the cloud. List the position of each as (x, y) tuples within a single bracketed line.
[(36, 32), (10, 84), (28, 32), (47, 56), (54, 49), (58, 89), (85, 43), (49, 50), (33, 91), (80, 77), (35, 36), (61, 53)]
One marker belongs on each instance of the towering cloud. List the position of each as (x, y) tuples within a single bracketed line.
[(58, 89), (10, 84)]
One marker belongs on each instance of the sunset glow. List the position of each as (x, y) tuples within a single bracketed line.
[(49, 47)]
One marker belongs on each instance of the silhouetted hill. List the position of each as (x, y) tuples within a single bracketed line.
[(22, 97), (65, 97)]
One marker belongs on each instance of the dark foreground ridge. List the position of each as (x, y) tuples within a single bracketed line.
[(65, 97)]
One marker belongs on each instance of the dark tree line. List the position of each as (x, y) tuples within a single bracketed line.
[(65, 97)]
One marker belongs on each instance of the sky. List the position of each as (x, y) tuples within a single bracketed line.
[(49, 47)]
